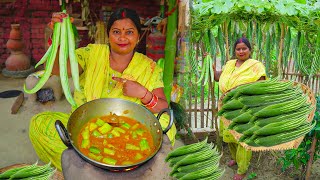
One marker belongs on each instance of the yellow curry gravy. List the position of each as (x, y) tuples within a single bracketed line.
[(125, 143)]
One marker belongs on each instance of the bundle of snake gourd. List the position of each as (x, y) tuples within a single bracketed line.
[(195, 161), (62, 36), (33, 171), (267, 113)]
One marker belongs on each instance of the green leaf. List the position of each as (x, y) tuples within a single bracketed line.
[(291, 10), (247, 8), (304, 161), (281, 8), (296, 163), (308, 142), (260, 10), (252, 175), (301, 1)]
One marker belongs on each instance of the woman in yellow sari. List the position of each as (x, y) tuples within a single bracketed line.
[(107, 71), (239, 71)]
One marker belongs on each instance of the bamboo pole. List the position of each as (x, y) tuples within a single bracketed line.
[(317, 85), (202, 104), (208, 104), (226, 40), (281, 49), (202, 88), (170, 50), (196, 95), (190, 100), (254, 39)]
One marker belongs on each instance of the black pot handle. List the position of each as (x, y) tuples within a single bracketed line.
[(170, 113), (63, 133)]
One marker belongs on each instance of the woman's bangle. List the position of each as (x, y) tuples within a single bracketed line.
[(145, 94), (153, 102)]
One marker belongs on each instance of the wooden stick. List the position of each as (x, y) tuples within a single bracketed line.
[(312, 150), (17, 103)]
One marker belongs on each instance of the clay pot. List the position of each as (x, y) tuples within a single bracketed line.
[(17, 61), (15, 45), (15, 32)]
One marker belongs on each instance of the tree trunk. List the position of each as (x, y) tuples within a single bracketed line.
[(312, 150)]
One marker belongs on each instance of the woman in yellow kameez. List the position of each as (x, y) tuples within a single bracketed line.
[(239, 71), (107, 71)]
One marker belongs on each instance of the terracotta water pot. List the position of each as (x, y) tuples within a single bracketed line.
[(15, 32), (17, 61), (15, 45)]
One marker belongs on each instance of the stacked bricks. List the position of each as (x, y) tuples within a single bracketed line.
[(34, 15)]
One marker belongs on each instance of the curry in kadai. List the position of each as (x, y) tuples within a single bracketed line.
[(123, 143)]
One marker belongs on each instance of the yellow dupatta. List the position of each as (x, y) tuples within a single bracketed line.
[(96, 72), (250, 71), (96, 78)]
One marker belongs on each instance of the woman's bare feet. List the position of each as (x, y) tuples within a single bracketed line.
[(239, 176), (232, 163)]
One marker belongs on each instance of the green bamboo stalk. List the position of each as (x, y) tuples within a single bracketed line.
[(63, 5), (170, 50), (267, 53), (226, 39), (282, 28), (287, 47)]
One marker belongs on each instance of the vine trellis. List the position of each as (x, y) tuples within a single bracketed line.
[(285, 36), (279, 31)]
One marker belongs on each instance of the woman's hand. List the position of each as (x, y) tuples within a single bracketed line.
[(134, 89), (57, 17), (131, 88)]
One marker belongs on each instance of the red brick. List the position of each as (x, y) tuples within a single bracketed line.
[(5, 12), (40, 14), (37, 45), (26, 33), (20, 20), (36, 21), (35, 31), (37, 36), (8, 21), (35, 51), (41, 31), (37, 41)]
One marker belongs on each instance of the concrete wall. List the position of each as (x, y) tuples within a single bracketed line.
[(33, 16)]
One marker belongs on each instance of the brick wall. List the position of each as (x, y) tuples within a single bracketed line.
[(33, 15)]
